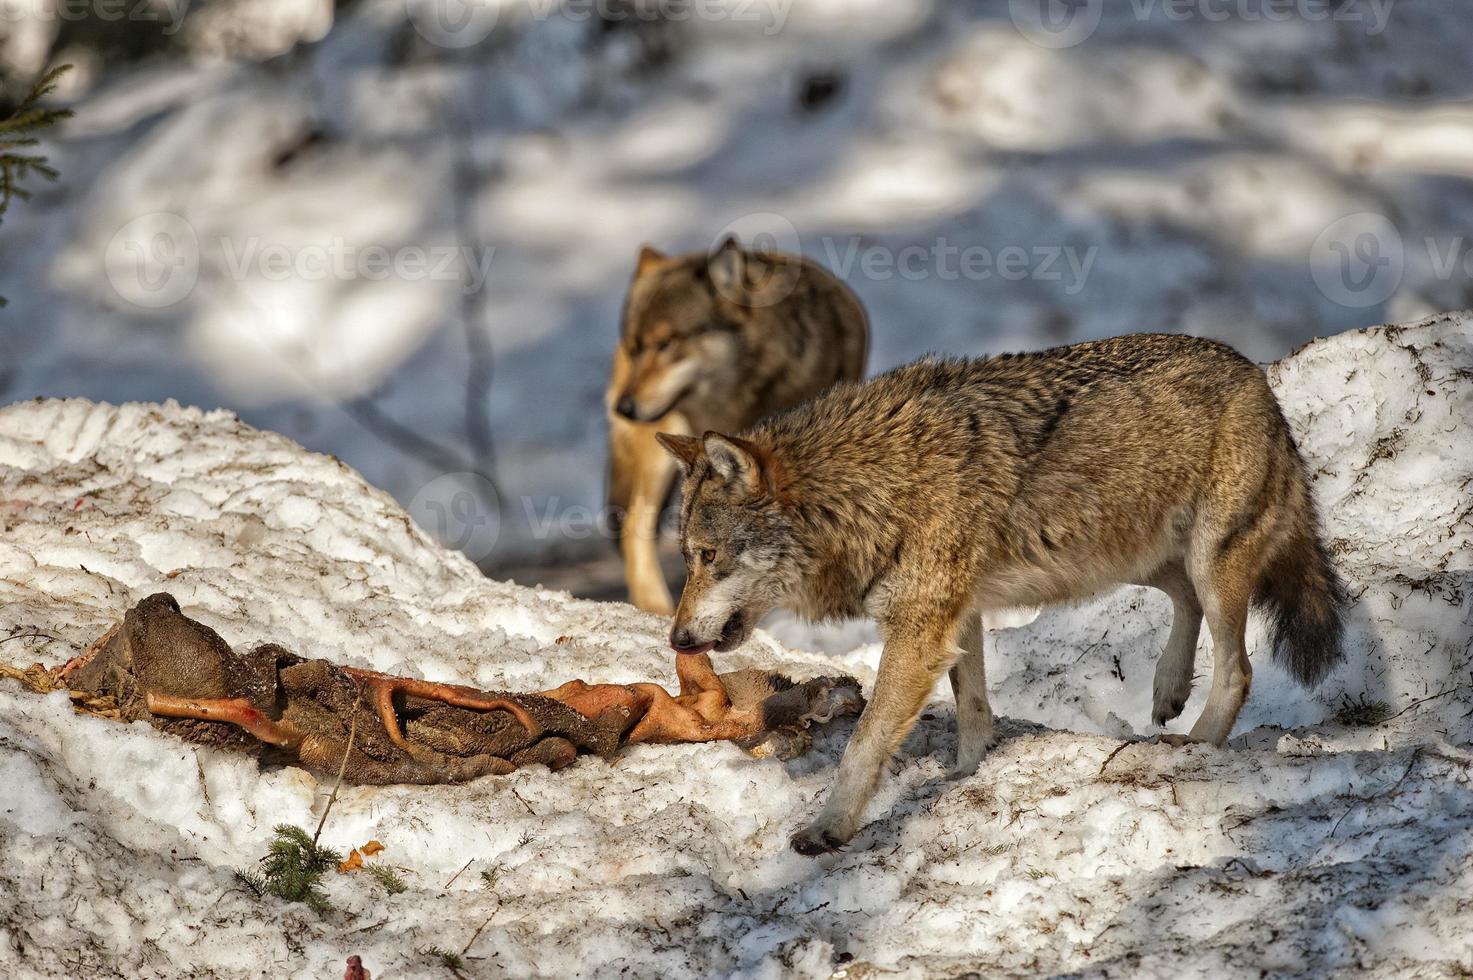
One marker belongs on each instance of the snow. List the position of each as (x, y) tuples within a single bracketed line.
[(1200, 162), (1306, 846)]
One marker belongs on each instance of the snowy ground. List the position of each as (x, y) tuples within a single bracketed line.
[(1324, 848), (1186, 166)]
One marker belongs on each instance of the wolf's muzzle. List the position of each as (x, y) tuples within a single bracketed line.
[(682, 640)]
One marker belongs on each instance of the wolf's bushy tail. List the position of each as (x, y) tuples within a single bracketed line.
[(1305, 599)]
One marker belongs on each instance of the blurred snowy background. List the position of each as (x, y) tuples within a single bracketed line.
[(399, 231)]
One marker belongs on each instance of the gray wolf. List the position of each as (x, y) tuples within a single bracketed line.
[(949, 488), (713, 342)]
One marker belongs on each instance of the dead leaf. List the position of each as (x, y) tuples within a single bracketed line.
[(356, 856)]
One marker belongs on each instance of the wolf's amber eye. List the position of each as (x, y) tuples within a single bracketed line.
[(708, 555)]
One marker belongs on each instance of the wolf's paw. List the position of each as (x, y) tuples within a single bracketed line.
[(1163, 709), (969, 756), (1169, 693), (814, 840)]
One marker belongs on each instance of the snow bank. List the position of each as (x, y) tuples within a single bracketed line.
[(1317, 849)]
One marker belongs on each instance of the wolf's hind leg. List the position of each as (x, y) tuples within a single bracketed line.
[(1224, 582), (909, 668), (1173, 683), (973, 713)]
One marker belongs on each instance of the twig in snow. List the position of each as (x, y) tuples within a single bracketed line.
[(1111, 757), (1411, 764), (1430, 697), (342, 770), (524, 802), (1085, 652), (457, 875), (467, 948), (34, 635)]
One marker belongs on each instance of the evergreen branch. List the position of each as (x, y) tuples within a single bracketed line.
[(26, 119), (15, 130), (45, 85)]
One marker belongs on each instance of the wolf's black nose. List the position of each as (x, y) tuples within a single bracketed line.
[(625, 407), (681, 639)]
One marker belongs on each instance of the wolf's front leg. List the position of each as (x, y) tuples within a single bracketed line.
[(640, 476), (909, 669)]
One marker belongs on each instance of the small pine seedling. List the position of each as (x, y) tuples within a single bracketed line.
[(448, 958), (292, 869), (386, 876), (1361, 712)]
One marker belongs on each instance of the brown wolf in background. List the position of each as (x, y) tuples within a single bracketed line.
[(948, 488), (714, 342)]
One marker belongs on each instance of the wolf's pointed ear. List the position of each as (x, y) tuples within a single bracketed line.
[(649, 258), (685, 449), (727, 267), (738, 462)]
